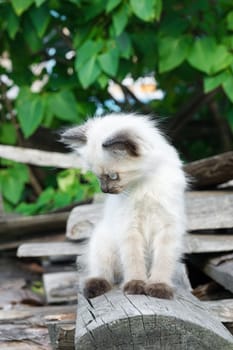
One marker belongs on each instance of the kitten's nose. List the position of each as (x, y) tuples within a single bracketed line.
[(104, 187)]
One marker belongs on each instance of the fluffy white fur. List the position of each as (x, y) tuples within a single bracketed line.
[(146, 219)]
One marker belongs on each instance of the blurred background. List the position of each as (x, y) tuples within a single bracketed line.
[(64, 61)]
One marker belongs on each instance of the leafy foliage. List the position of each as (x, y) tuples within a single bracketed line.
[(61, 55)]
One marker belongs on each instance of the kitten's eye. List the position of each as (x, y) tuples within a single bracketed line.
[(113, 176)]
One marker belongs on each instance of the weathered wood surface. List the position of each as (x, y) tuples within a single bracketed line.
[(40, 158), (211, 171), (117, 321), (18, 225), (59, 325), (61, 331), (194, 243), (205, 172), (206, 210), (42, 238), (223, 309), (50, 249), (24, 328), (208, 243), (61, 286), (219, 268)]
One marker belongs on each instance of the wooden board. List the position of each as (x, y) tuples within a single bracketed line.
[(61, 286), (208, 243), (14, 226), (194, 243), (223, 309), (117, 321), (209, 210), (50, 249), (219, 268), (25, 328), (206, 210)]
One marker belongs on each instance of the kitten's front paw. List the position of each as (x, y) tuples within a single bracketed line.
[(159, 290), (134, 287), (96, 286)]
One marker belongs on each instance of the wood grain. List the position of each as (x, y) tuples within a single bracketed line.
[(211, 171), (117, 321)]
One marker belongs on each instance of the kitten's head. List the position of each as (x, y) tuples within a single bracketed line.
[(112, 148)]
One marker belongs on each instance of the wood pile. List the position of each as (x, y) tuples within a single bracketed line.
[(209, 259)]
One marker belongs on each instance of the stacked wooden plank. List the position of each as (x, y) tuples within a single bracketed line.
[(209, 246)]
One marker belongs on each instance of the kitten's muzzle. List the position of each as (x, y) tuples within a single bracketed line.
[(106, 189)]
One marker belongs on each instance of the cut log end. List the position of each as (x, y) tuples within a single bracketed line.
[(117, 321)]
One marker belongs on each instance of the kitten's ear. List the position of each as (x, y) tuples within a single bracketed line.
[(75, 137), (122, 144)]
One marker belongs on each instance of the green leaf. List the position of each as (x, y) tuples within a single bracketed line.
[(40, 19), (120, 20), (12, 24), (12, 181), (63, 104), (210, 83), (21, 5), (230, 20), (209, 57), (30, 108), (112, 4), (39, 2), (12, 189), (146, 10), (124, 45), (109, 61), (89, 72), (8, 134), (173, 51), (86, 51), (67, 179), (31, 36), (228, 87)]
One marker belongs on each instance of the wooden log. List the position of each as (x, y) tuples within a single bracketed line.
[(205, 172), (40, 158), (211, 171), (118, 321)]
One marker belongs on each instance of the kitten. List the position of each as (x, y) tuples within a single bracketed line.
[(144, 214)]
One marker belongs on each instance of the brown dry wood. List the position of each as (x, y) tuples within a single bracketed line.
[(219, 268), (211, 171), (18, 225)]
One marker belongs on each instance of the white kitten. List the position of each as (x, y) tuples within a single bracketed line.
[(144, 214)]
